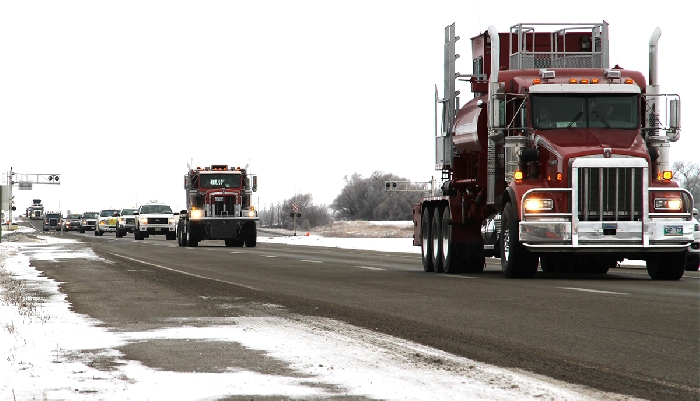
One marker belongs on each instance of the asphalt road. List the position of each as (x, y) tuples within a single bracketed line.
[(620, 332)]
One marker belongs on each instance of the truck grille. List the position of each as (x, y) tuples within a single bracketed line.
[(130, 220), (157, 220), (224, 206), (610, 194)]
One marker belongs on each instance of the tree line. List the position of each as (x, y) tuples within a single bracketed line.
[(366, 198), (362, 198)]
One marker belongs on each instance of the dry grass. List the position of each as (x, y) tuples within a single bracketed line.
[(366, 229)]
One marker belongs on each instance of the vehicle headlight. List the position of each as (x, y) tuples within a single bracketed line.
[(195, 214), (143, 220), (171, 220), (252, 213), (102, 222), (668, 204), (536, 205)]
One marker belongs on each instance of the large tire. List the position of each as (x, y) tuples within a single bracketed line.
[(118, 234), (450, 261), (170, 236), (251, 235), (426, 238), (436, 255), (516, 261), (82, 230), (180, 238), (137, 235), (190, 239), (667, 266)]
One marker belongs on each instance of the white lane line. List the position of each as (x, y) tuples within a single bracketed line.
[(236, 252), (370, 268), (311, 261), (268, 256), (593, 291), (183, 272), (453, 276)]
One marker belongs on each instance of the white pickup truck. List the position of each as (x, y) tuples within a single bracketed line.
[(155, 219)]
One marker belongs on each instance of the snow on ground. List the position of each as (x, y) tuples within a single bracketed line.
[(45, 348)]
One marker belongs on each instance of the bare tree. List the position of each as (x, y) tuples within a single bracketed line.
[(688, 176), (366, 199)]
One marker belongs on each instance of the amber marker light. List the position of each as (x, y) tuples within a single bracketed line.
[(594, 80), (572, 80), (629, 81), (536, 81), (584, 81), (559, 176), (518, 176), (667, 176)]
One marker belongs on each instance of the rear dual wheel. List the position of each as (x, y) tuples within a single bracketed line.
[(439, 251)]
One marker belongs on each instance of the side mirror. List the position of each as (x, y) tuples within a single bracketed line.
[(675, 114)]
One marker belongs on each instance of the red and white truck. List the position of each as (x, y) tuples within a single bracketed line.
[(219, 206), (568, 156)]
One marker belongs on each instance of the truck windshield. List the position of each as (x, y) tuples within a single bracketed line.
[(553, 111), (220, 181), (156, 209), (90, 215)]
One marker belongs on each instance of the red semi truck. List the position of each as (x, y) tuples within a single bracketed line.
[(557, 162), (219, 207)]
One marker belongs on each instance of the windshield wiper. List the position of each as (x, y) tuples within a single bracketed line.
[(601, 119), (580, 113)]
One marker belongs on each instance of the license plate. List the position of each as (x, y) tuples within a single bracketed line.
[(218, 199), (673, 230)]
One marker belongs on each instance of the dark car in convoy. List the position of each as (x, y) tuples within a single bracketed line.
[(88, 222), (126, 222), (52, 221), (71, 222)]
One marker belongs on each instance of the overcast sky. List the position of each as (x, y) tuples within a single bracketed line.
[(117, 97)]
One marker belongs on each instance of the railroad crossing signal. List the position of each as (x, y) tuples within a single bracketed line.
[(295, 210)]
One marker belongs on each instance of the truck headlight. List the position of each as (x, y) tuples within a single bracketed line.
[(195, 214), (537, 205), (251, 213), (143, 220), (171, 221), (668, 204)]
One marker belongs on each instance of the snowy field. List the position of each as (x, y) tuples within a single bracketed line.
[(45, 348)]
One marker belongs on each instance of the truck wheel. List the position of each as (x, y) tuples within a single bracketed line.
[(436, 240), (138, 236), (118, 234), (516, 261), (669, 266), (426, 239), (170, 236), (82, 230), (449, 260), (251, 237), (189, 237)]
